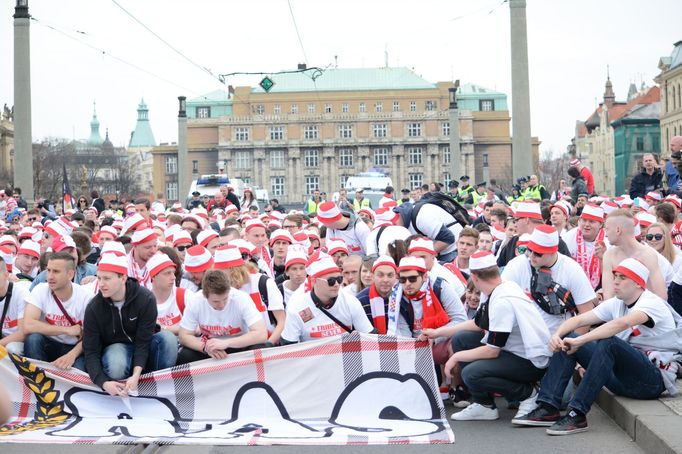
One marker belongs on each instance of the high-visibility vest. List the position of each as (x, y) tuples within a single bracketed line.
[(311, 206), (533, 192), (359, 205)]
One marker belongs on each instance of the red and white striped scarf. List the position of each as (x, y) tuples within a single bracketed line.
[(590, 263), (376, 304)]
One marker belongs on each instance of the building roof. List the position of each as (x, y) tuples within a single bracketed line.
[(676, 56), (649, 97), (477, 90), (346, 79), (143, 135), (214, 96), (95, 137)]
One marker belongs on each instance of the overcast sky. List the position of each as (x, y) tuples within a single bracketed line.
[(570, 44)]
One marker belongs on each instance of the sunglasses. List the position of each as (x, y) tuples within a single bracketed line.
[(411, 279), (182, 248), (289, 226), (331, 281), (536, 254), (33, 219), (268, 211), (650, 236)]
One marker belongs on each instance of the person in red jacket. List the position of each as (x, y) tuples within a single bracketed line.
[(585, 173)]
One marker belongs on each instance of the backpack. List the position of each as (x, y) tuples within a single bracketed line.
[(263, 290), (452, 207)]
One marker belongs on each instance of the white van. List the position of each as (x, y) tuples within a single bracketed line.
[(208, 185), (372, 183)]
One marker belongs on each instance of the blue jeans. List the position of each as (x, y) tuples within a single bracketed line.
[(610, 362), (43, 348), (117, 359)]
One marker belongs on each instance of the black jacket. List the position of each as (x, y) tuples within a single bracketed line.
[(103, 325), (579, 187), (232, 197), (642, 183)]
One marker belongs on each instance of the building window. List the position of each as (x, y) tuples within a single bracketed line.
[(195, 166), (430, 105), (445, 153), (396, 106), (414, 129), (260, 109), (310, 132), (241, 133), (413, 106), (276, 132), (172, 190), (446, 179), (312, 184), (342, 180), (378, 106), (486, 105), (485, 159), (415, 155), (327, 108), (203, 112), (640, 143), (311, 158), (277, 186), (344, 107), (380, 129), (311, 108), (243, 159), (381, 156), (415, 180), (345, 131), (277, 159), (362, 107), (346, 157), (277, 109), (445, 128), (294, 108), (171, 165)]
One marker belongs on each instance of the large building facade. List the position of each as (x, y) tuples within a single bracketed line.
[(314, 129), (670, 81)]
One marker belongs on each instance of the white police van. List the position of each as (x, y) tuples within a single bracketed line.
[(373, 183)]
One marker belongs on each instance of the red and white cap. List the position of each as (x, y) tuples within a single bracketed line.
[(633, 269), (245, 247), (198, 220), (640, 203), (143, 236), (674, 199), (623, 200), (565, 207), (480, 260), (335, 245), (132, 223), (201, 212), (113, 247), (528, 210), (328, 212), (110, 230), (423, 245), (323, 265), (387, 215), (523, 240), (227, 256), (654, 196), (274, 214), (180, 237), (384, 260), (645, 219), (544, 240), (27, 232), (59, 228), (159, 262), (295, 256), (368, 211), (198, 259), (8, 240), (63, 242), (275, 223), (114, 263), (30, 247), (205, 236), (574, 162), (412, 263), (230, 208), (498, 232), (253, 224), (609, 207), (8, 257), (170, 231), (592, 212), (281, 235)]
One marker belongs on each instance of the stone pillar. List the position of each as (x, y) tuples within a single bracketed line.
[(184, 167), (23, 142), (522, 155)]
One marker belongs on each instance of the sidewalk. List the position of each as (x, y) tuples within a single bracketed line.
[(655, 425)]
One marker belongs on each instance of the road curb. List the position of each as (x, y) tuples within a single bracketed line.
[(650, 423)]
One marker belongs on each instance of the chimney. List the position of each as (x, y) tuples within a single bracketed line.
[(302, 66)]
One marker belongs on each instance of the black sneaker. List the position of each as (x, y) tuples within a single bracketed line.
[(540, 417), (460, 397), (571, 423)]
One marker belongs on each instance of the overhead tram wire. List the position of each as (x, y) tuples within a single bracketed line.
[(300, 41), (114, 57)]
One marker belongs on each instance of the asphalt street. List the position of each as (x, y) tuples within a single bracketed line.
[(473, 436)]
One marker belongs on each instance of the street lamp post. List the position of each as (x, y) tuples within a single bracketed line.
[(455, 152), (183, 172)]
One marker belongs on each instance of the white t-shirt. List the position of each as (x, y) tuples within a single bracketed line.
[(15, 311), (189, 285), (355, 236), (678, 260), (41, 297), (565, 272), (650, 304), (388, 234), (438, 270), (288, 293), (234, 320), (168, 312), (666, 268), (429, 221), (306, 322)]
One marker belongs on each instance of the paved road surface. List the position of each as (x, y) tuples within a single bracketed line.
[(604, 436)]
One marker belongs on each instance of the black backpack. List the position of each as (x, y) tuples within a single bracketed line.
[(454, 209)]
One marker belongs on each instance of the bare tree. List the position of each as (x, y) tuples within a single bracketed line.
[(551, 169)]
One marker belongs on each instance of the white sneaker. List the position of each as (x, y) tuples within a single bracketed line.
[(476, 412), (528, 405)]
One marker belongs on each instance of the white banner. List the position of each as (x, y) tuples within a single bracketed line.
[(351, 389)]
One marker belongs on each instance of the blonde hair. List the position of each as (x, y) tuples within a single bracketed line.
[(668, 249), (238, 275)]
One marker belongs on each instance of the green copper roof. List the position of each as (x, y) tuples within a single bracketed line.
[(214, 96), (341, 79), (95, 137), (142, 136)]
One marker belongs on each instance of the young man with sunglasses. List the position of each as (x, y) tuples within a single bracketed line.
[(323, 311)]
